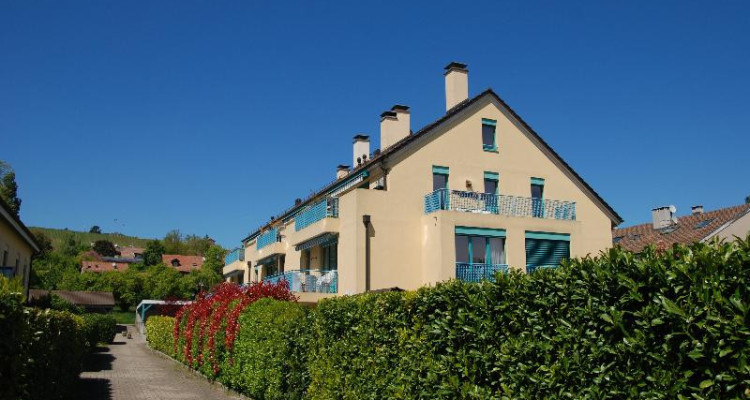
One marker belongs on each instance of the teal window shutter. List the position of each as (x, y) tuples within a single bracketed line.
[(546, 249)]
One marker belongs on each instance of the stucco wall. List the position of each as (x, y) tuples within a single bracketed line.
[(17, 248), (739, 228)]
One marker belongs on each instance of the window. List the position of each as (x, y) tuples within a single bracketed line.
[(480, 246), (330, 257), (175, 262), (491, 182), (5, 259), (489, 142), (439, 178), (546, 250), (537, 197)]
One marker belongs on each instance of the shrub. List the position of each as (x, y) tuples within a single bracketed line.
[(264, 363), (100, 328), (159, 334), (41, 351)]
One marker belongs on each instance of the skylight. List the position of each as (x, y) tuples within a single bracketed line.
[(617, 239), (703, 224)]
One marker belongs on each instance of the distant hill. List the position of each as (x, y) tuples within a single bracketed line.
[(58, 235)]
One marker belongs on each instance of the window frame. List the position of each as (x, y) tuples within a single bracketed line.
[(490, 147)]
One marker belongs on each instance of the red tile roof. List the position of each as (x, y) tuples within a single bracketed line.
[(100, 266), (129, 251), (184, 263), (689, 229)]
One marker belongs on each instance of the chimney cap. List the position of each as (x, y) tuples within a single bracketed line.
[(456, 65), (342, 167), (400, 107), (361, 138), (388, 114)]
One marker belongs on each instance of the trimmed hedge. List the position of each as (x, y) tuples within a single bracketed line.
[(100, 328), (41, 350), (159, 334), (660, 325)]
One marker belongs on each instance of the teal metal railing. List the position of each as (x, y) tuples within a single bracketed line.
[(487, 203), (268, 237), (237, 254), (328, 207), (470, 272), (308, 280)]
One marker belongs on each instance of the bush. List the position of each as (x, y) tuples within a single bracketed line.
[(100, 328), (41, 351), (264, 363), (659, 325), (159, 334)]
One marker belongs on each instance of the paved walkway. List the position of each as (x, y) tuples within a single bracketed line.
[(127, 369)]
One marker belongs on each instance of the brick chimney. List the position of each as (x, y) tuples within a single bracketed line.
[(663, 217), (456, 84)]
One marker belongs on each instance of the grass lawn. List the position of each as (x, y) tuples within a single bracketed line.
[(123, 317)]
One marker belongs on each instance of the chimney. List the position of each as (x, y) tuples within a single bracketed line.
[(394, 125), (456, 84), (696, 210), (342, 171), (361, 150), (663, 217)]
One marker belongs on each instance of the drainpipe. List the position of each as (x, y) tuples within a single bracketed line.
[(366, 221)]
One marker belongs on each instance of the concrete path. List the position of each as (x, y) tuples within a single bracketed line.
[(127, 369)]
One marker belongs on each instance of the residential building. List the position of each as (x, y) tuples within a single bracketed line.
[(17, 246), (474, 192), (667, 229), (181, 263)]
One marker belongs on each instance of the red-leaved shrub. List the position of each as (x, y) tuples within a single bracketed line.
[(221, 306)]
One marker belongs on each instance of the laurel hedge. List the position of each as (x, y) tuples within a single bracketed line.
[(658, 325), (159, 334), (41, 350)]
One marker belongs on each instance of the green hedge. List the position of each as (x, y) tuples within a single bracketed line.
[(659, 325), (41, 350), (100, 328), (159, 334)]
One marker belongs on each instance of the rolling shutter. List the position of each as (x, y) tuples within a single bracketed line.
[(544, 251)]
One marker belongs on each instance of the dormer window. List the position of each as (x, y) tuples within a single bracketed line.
[(175, 262)]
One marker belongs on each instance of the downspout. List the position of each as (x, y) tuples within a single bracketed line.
[(366, 221)]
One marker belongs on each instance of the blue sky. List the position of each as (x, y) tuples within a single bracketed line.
[(210, 117)]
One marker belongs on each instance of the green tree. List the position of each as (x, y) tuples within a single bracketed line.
[(9, 189), (214, 259), (173, 242), (153, 252), (105, 248), (44, 242), (95, 229), (71, 246)]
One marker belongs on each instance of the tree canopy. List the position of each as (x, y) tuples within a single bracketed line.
[(9, 188), (105, 248)]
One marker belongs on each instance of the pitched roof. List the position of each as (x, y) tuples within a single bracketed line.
[(79, 298), (689, 229), (18, 226), (186, 263), (429, 128), (102, 265)]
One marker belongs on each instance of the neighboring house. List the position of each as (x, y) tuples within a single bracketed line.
[(667, 229), (183, 264), (91, 301), (474, 192), (17, 246), (130, 252), (105, 264)]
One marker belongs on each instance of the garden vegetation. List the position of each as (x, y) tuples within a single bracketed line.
[(657, 325)]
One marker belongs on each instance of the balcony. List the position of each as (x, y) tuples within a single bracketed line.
[(325, 208), (308, 280), (470, 272), (487, 203), (269, 237), (237, 254)]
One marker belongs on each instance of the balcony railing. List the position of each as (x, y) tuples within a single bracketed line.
[(237, 254), (308, 280), (487, 203), (328, 207), (470, 272), (269, 237)]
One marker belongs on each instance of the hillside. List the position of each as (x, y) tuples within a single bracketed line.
[(58, 235)]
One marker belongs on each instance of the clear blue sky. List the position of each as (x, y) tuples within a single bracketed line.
[(210, 117)]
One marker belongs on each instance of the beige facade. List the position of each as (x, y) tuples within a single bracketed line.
[(17, 246), (411, 244)]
